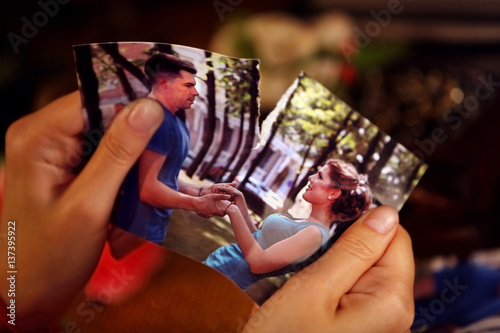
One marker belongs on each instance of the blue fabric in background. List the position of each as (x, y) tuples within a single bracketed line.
[(464, 294)]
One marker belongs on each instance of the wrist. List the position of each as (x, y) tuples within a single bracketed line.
[(193, 203), (231, 208), (240, 199)]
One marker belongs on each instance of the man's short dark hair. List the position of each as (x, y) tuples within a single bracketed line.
[(167, 65)]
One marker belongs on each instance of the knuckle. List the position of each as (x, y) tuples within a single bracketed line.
[(405, 235), (399, 300), (408, 314), (404, 310), (398, 306), (357, 247), (73, 210), (83, 211), (16, 137), (116, 150)]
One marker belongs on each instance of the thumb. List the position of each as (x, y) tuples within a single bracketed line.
[(222, 204), (359, 248), (314, 293), (218, 197), (118, 150)]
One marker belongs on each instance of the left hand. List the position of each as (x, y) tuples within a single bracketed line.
[(61, 218), (209, 205), (223, 204), (214, 188), (229, 189)]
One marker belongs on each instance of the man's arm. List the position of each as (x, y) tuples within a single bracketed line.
[(155, 193), (189, 189), (198, 190), (152, 191)]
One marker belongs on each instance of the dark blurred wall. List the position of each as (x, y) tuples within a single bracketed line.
[(42, 67)]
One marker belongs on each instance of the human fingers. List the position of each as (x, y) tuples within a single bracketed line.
[(226, 189), (210, 205), (400, 261), (93, 191), (38, 149), (218, 188), (223, 204), (220, 203), (395, 269), (232, 184), (359, 248), (217, 197), (313, 294), (385, 292)]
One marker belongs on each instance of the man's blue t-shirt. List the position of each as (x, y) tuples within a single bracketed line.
[(137, 217)]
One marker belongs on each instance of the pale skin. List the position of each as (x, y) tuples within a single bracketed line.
[(175, 94), (362, 284)]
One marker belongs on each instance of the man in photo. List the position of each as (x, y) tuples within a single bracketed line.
[(152, 188)]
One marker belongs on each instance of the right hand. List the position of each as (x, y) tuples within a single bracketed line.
[(208, 205), (228, 189), (223, 204), (364, 283), (213, 188)]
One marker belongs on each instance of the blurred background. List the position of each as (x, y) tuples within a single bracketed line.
[(426, 72)]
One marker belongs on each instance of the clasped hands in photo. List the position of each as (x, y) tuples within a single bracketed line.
[(364, 283)]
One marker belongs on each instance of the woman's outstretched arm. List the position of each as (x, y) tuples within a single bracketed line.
[(293, 249)]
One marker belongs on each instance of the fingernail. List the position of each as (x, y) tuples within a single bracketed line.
[(143, 119), (382, 220)]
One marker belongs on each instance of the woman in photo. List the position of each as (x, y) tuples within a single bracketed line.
[(338, 196)]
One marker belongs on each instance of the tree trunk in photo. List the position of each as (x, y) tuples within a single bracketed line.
[(354, 125), (209, 125), (274, 130), (225, 136), (112, 50), (414, 174), (320, 159), (306, 155), (254, 114), (127, 88), (372, 147), (238, 147), (90, 97), (385, 155), (256, 161), (333, 141)]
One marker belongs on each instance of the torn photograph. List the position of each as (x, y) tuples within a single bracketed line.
[(255, 199)]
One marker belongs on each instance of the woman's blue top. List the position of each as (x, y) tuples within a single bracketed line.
[(230, 260)]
